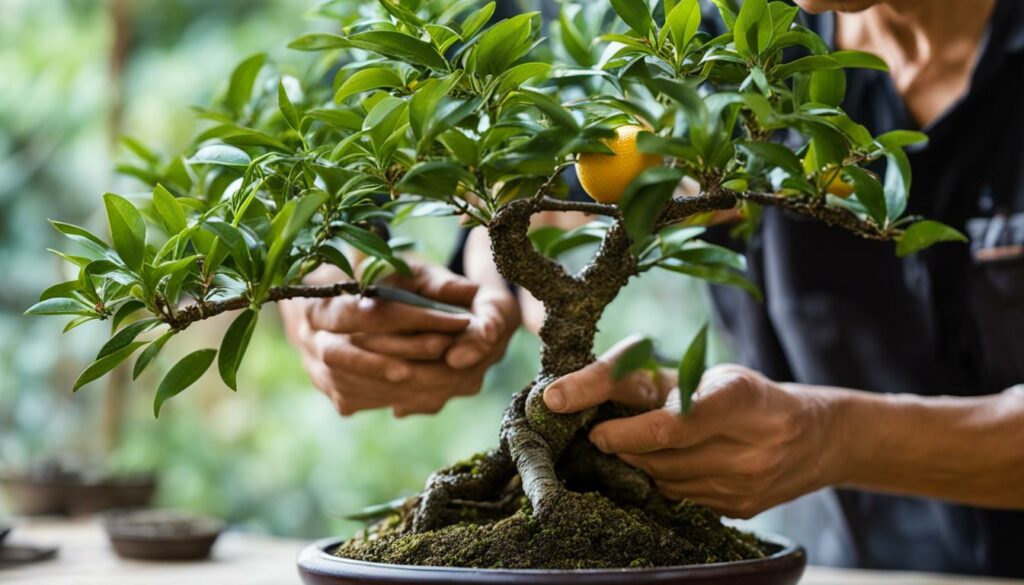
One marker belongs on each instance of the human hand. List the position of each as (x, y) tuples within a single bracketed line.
[(368, 353), (747, 445)]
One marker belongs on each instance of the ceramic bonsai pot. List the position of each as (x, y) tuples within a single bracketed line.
[(39, 491), (100, 493), (784, 566), (161, 534)]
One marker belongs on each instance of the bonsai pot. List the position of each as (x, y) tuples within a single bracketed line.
[(38, 491), (784, 566), (99, 493), (161, 534)]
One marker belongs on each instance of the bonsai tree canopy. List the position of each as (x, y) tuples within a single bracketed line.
[(433, 111)]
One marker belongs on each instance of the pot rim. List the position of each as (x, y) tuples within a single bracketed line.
[(315, 559)]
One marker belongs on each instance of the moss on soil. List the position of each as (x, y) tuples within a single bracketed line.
[(585, 531)]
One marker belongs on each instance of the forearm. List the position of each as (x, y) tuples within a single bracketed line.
[(968, 450)]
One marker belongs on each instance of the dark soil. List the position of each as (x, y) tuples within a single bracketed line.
[(585, 531)]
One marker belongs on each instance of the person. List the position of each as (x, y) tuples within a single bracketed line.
[(895, 381)]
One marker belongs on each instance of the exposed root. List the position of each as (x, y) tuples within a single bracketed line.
[(479, 478)]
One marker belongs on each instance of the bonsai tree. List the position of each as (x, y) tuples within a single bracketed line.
[(435, 111)]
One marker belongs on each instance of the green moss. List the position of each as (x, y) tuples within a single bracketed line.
[(586, 531)]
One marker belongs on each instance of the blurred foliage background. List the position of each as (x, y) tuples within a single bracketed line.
[(75, 74)]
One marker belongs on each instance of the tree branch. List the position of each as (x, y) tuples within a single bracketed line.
[(816, 208), (198, 311), (591, 207)]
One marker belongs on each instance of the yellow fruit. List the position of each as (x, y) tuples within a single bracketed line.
[(605, 176), (838, 186)]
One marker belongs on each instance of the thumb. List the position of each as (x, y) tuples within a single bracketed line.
[(486, 329), (594, 385)]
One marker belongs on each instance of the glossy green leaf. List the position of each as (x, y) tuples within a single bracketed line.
[(771, 154), (103, 365), (900, 139), (170, 211), (805, 64), (859, 60), (716, 275), (126, 336), (636, 14), (242, 80), (745, 30), (60, 306), (319, 42), (639, 356), (221, 154), (149, 354), (923, 234), (474, 22), (683, 22), (645, 198), (869, 192), (287, 108), (399, 46), (691, 369), (127, 230), (502, 45), (184, 373), (366, 80), (897, 183), (232, 237), (234, 345)]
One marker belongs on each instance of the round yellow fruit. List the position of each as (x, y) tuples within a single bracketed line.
[(839, 187), (605, 176)]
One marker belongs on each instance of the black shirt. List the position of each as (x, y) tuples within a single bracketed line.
[(843, 311)]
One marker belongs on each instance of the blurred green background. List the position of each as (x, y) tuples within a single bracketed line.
[(275, 457)]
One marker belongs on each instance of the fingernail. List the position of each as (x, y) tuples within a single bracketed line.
[(397, 373), (365, 304), (491, 332), (598, 440), (554, 398), (463, 357)]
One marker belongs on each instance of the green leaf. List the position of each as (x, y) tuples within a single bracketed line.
[(691, 368), (60, 306), (150, 353), (745, 31), (683, 22), (639, 356), (295, 215), (897, 183), (828, 87), (551, 108), (925, 233), (81, 236), (126, 336), (520, 74), (336, 257), (232, 237), (502, 45), (288, 111), (105, 364), (727, 11), (170, 211), (319, 42), (242, 80), (900, 139), (715, 274), (636, 14), (221, 154), (371, 244), (366, 80), (423, 106), (804, 64), (399, 46), (772, 155), (645, 198), (478, 19), (572, 39), (127, 230), (869, 192), (232, 348), (182, 375), (124, 311), (859, 60)]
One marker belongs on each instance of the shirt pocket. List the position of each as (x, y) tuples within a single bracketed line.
[(997, 249)]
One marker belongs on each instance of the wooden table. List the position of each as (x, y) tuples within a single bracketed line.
[(85, 558)]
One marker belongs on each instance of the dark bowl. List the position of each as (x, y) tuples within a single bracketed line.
[(161, 534), (784, 566), (30, 494), (110, 492)]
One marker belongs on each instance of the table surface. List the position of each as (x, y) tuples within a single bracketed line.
[(85, 558)]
